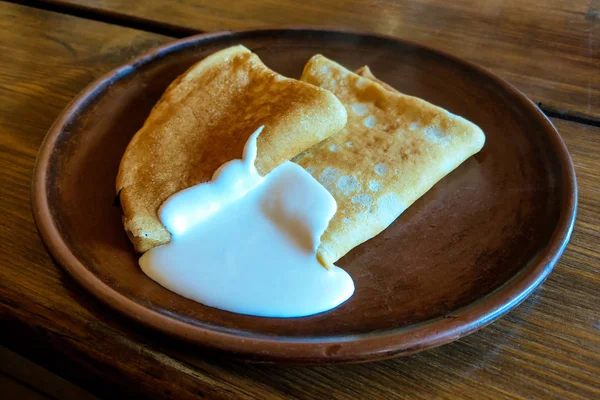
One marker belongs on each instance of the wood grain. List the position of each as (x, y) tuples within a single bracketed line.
[(27, 377), (549, 347), (549, 49)]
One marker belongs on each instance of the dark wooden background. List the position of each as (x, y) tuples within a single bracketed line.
[(549, 347)]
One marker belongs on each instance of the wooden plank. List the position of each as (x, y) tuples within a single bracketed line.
[(549, 49), (13, 389), (26, 375), (547, 348)]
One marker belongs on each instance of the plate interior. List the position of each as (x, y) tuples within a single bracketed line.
[(466, 237)]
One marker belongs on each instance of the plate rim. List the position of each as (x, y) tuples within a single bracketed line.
[(318, 350)]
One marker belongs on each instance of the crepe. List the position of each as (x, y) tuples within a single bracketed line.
[(203, 120), (365, 72), (393, 149)]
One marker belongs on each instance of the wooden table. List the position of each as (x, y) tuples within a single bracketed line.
[(549, 347)]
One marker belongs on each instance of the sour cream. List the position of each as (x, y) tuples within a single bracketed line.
[(247, 244)]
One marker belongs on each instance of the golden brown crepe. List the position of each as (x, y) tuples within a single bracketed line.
[(365, 72), (203, 120), (393, 149)]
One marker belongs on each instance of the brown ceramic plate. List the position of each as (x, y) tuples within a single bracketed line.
[(463, 255)]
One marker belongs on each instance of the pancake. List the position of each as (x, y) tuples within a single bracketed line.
[(393, 149), (204, 119), (365, 72)]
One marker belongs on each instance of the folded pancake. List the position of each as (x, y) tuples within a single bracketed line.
[(393, 149), (365, 72), (203, 120)]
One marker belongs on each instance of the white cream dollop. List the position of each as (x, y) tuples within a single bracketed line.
[(247, 244)]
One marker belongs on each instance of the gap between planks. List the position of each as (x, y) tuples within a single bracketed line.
[(179, 32)]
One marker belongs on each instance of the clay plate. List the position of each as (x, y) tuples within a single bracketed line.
[(463, 255)]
